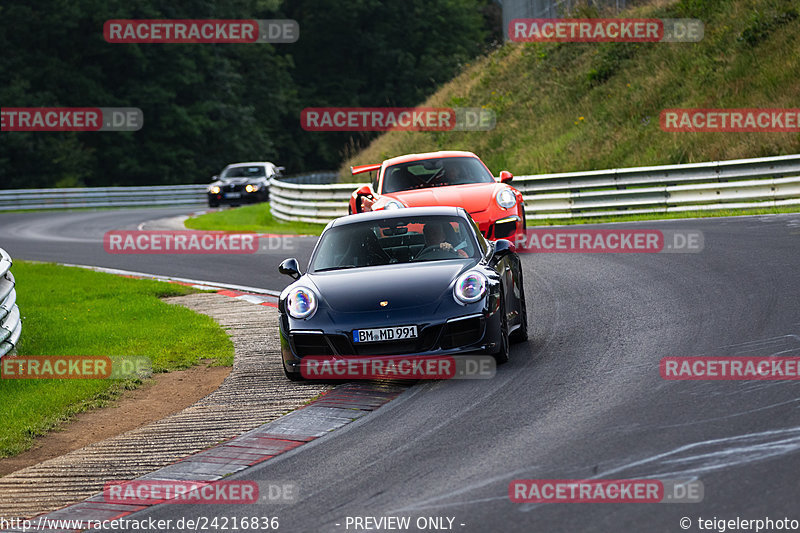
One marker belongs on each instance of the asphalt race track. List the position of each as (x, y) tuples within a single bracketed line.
[(76, 237), (582, 399)]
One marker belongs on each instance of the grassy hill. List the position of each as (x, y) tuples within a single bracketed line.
[(579, 106)]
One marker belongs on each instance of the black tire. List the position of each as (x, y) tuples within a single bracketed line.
[(521, 333), (212, 204), (292, 376), (501, 357)]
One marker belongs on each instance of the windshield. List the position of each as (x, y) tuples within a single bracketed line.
[(244, 172), (436, 172), (392, 241)]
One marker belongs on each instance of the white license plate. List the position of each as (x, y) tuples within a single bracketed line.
[(233, 195), (396, 333)]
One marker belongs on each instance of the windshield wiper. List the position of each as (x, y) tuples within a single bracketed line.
[(435, 175), (341, 267)]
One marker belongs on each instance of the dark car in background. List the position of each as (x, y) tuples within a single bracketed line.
[(242, 183), (426, 272)]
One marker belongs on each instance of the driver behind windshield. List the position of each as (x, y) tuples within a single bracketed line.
[(453, 173), (435, 237)]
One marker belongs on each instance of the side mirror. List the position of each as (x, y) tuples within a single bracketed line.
[(280, 169), (289, 267), (506, 176), (214, 178), (364, 190), (502, 248)]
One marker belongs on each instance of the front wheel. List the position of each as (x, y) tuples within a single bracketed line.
[(501, 356), (521, 333)]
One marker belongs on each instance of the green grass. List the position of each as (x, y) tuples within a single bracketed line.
[(582, 106), (663, 216), (256, 218), (73, 311)]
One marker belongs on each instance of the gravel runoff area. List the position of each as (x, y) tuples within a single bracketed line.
[(255, 392)]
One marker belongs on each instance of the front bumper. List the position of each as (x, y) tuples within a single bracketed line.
[(244, 198), (506, 227), (475, 333)]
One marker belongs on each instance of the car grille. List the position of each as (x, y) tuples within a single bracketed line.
[(319, 344), (232, 188), (388, 348), (459, 332), (463, 332)]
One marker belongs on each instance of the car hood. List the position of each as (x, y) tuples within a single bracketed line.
[(239, 181), (474, 197), (360, 290)]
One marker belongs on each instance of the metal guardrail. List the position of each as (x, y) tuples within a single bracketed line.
[(195, 194), (10, 321), (735, 184), (12, 199), (321, 177), (741, 183), (309, 203)]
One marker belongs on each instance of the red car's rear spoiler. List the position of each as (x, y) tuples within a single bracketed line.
[(364, 168)]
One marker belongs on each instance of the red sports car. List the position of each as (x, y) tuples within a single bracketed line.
[(458, 179)]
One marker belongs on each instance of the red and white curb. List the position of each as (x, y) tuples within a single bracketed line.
[(253, 295), (332, 410), (259, 299)]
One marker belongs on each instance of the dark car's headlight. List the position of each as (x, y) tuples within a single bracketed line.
[(470, 287), (251, 187), (214, 189), (301, 303), (506, 198)]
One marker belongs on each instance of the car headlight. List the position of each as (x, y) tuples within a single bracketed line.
[(214, 190), (393, 204), (470, 287), (301, 303), (251, 188), (505, 198)]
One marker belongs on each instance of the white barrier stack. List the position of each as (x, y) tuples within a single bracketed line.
[(10, 321)]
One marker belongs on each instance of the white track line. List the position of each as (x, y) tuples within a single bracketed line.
[(198, 283)]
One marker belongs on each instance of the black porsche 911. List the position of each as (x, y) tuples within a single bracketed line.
[(415, 281), (242, 183)]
